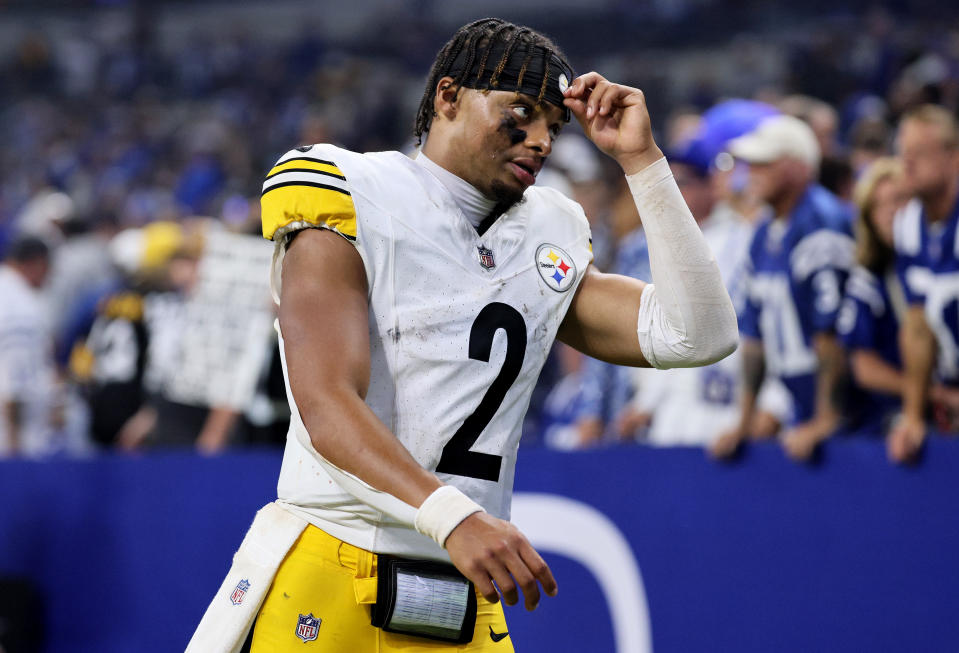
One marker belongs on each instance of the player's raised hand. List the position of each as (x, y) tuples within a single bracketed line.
[(487, 550), (615, 118)]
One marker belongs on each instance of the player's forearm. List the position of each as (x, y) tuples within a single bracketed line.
[(873, 373), (686, 317), (370, 463), (345, 432)]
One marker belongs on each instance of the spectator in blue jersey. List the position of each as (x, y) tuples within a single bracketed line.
[(927, 260), (798, 261), (874, 305)]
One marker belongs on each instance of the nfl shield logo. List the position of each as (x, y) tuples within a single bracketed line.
[(308, 627), (239, 592), (486, 258)]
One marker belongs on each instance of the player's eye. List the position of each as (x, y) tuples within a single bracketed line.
[(522, 111), (554, 131)]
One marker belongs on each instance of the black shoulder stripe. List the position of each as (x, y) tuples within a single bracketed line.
[(304, 183)]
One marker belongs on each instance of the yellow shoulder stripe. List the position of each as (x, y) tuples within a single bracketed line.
[(314, 205), (306, 163)]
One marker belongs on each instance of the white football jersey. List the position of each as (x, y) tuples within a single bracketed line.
[(460, 324)]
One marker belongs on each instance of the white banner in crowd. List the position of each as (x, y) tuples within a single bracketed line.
[(227, 329)]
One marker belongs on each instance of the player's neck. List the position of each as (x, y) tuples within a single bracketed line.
[(474, 205)]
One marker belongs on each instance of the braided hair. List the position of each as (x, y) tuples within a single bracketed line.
[(477, 40)]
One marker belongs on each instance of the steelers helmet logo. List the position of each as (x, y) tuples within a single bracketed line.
[(556, 267), (563, 83)]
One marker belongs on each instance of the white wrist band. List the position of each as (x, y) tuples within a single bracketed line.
[(443, 511)]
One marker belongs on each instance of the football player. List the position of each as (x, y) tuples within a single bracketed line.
[(419, 298)]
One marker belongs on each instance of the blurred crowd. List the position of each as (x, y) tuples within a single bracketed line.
[(827, 188)]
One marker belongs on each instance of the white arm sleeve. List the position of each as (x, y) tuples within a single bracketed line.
[(685, 316)]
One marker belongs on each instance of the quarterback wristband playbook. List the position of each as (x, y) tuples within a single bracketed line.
[(424, 599)]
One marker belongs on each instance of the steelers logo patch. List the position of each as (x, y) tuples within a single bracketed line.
[(563, 83), (556, 267)]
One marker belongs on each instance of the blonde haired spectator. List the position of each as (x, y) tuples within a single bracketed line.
[(874, 304)]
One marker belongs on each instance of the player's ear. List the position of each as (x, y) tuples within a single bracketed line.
[(446, 98)]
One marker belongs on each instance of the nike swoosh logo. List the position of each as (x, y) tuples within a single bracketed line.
[(497, 636)]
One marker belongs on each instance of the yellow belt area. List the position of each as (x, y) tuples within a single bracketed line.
[(315, 542)]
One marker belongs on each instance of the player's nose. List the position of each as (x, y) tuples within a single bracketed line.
[(539, 138)]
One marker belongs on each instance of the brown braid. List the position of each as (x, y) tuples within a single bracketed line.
[(510, 46), (542, 87), (522, 70), (495, 36), (479, 34)]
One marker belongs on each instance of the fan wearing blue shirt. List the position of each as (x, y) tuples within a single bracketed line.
[(874, 304), (799, 258), (927, 260)]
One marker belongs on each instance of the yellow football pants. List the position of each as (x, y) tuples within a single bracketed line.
[(335, 582)]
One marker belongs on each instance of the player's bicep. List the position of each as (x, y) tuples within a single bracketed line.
[(601, 320), (324, 315)]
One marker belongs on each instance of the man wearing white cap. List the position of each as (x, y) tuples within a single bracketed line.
[(799, 258)]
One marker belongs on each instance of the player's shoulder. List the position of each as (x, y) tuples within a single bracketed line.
[(551, 197), (360, 170), (557, 220), (907, 229), (330, 187), (555, 208)]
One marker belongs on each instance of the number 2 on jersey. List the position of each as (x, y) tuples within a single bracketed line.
[(457, 458)]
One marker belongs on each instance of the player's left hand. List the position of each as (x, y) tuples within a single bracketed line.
[(615, 118)]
